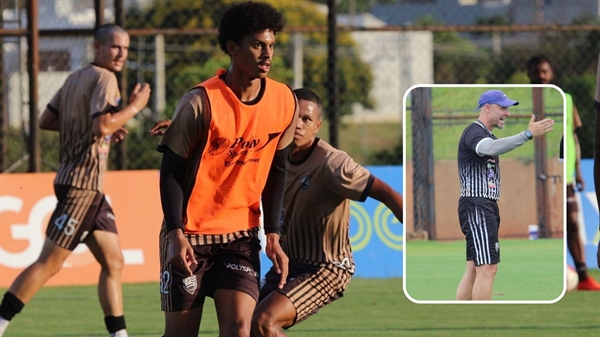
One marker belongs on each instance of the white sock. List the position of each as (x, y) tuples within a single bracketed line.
[(3, 325), (120, 333)]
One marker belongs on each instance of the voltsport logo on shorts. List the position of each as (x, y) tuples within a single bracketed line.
[(244, 269)]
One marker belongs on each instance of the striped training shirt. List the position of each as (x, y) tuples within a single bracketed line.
[(479, 174), (87, 93), (317, 207)]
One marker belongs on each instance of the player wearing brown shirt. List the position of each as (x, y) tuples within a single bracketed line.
[(321, 181), (85, 112)]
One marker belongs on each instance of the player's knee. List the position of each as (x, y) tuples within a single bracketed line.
[(234, 330), (572, 224), (263, 322), (114, 264)]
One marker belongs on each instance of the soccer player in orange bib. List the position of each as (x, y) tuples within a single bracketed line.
[(223, 152)]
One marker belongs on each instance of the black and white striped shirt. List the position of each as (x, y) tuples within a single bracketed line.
[(479, 174)]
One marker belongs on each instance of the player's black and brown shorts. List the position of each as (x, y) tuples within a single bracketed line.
[(308, 287), (480, 220), (224, 262), (78, 212)]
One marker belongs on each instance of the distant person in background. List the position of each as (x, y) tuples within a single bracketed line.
[(479, 174), (597, 147), (540, 71), (85, 112)]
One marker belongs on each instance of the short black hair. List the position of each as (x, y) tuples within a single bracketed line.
[(104, 32), (537, 60), (245, 18), (303, 94)]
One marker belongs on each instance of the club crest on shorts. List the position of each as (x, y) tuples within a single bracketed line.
[(190, 284)]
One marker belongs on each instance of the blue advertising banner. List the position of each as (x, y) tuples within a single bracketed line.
[(376, 235), (588, 215)]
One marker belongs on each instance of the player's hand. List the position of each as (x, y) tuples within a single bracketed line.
[(160, 127), (119, 135), (540, 128), (140, 96), (180, 253), (277, 256)]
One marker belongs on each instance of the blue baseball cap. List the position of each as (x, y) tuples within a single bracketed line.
[(495, 97)]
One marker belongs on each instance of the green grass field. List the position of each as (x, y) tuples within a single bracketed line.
[(528, 270), (371, 307)]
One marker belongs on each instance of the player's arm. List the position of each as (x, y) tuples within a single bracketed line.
[(49, 119), (104, 124), (388, 196), (494, 147), (176, 146), (272, 200)]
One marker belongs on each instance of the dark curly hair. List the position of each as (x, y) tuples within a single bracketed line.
[(245, 18)]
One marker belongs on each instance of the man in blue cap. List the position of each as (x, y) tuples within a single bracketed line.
[(479, 173)]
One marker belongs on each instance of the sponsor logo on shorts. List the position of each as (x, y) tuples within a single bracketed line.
[(110, 216), (497, 247), (190, 284), (241, 268)]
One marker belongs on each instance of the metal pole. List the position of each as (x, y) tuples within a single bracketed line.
[(33, 58), (121, 147), (160, 96), (541, 171), (99, 9), (298, 42), (3, 105), (423, 171), (332, 78)]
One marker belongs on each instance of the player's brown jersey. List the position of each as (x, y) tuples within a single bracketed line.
[(87, 93), (317, 207), (231, 153)]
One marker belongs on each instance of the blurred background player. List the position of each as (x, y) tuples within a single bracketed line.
[(223, 153), (321, 181), (85, 112), (540, 71), (479, 174)]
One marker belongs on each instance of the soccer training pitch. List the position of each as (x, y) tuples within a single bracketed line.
[(371, 307), (529, 270)]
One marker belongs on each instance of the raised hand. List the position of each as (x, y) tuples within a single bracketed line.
[(540, 127)]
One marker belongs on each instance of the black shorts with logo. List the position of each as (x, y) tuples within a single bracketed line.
[(230, 265), (479, 221), (78, 212)]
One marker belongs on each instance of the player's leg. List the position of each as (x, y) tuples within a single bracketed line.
[(307, 290), (234, 312), (62, 236), (31, 280), (272, 314), (465, 287), (235, 280), (182, 296), (484, 282), (103, 242), (184, 323)]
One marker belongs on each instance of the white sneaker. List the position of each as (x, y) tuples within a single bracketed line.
[(120, 333)]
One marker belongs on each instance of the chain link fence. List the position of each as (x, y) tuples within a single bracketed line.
[(383, 48)]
